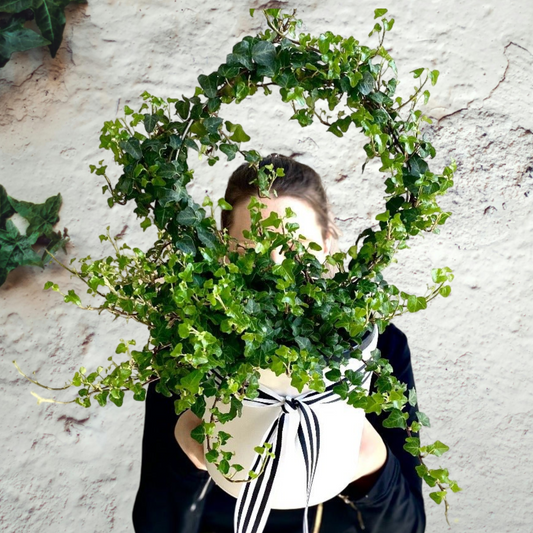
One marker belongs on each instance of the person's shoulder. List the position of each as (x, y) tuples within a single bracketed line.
[(392, 334), (393, 345)]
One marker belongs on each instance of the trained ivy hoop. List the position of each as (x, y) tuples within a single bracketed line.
[(210, 309)]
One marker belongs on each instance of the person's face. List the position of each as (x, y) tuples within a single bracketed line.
[(305, 216)]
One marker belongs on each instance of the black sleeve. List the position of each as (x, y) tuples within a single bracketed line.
[(394, 502), (172, 490)]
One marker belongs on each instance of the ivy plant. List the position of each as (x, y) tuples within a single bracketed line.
[(49, 16), (211, 308)]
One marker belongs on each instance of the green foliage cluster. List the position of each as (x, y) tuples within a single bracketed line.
[(16, 249), (49, 16), (211, 307)]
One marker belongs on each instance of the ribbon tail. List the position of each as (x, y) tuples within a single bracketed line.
[(305, 525), (253, 508), (309, 437)]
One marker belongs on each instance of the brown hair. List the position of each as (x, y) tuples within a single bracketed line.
[(299, 180)]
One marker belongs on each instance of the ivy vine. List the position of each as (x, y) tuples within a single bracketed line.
[(209, 308)]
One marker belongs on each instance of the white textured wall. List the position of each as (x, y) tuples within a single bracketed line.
[(65, 468)]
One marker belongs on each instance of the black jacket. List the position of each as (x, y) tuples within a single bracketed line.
[(176, 497)]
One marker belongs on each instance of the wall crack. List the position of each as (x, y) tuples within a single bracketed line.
[(503, 78)]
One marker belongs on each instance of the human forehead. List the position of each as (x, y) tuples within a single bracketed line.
[(305, 215)]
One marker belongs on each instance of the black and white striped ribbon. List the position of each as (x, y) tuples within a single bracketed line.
[(296, 419)]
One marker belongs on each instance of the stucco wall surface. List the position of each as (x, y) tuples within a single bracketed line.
[(65, 468)]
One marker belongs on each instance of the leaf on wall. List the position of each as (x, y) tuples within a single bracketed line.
[(40, 216), (15, 249), (49, 17), (6, 209), (15, 6), (16, 38), (56, 241)]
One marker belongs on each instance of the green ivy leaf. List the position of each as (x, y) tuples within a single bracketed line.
[(206, 236), (71, 296), (434, 76), (199, 407), (438, 496), (383, 216), (224, 205), (146, 223), (454, 487), (230, 150), (417, 166), (315, 247), (209, 84), (213, 124), (415, 426), (150, 122), (186, 245), (437, 448), (198, 433), (116, 396), (423, 419), (239, 135), (211, 456), (133, 147), (334, 375), (224, 466), (412, 397), (192, 380), (416, 303), (396, 419), (366, 85), (183, 108), (324, 41), (241, 55), (188, 217), (412, 446), (264, 54), (445, 291), (388, 25), (121, 348), (101, 398)]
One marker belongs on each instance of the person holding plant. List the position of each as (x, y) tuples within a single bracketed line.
[(370, 486)]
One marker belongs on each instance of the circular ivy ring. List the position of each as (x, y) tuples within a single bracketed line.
[(308, 71)]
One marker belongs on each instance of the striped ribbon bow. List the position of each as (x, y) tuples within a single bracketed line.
[(296, 422)]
